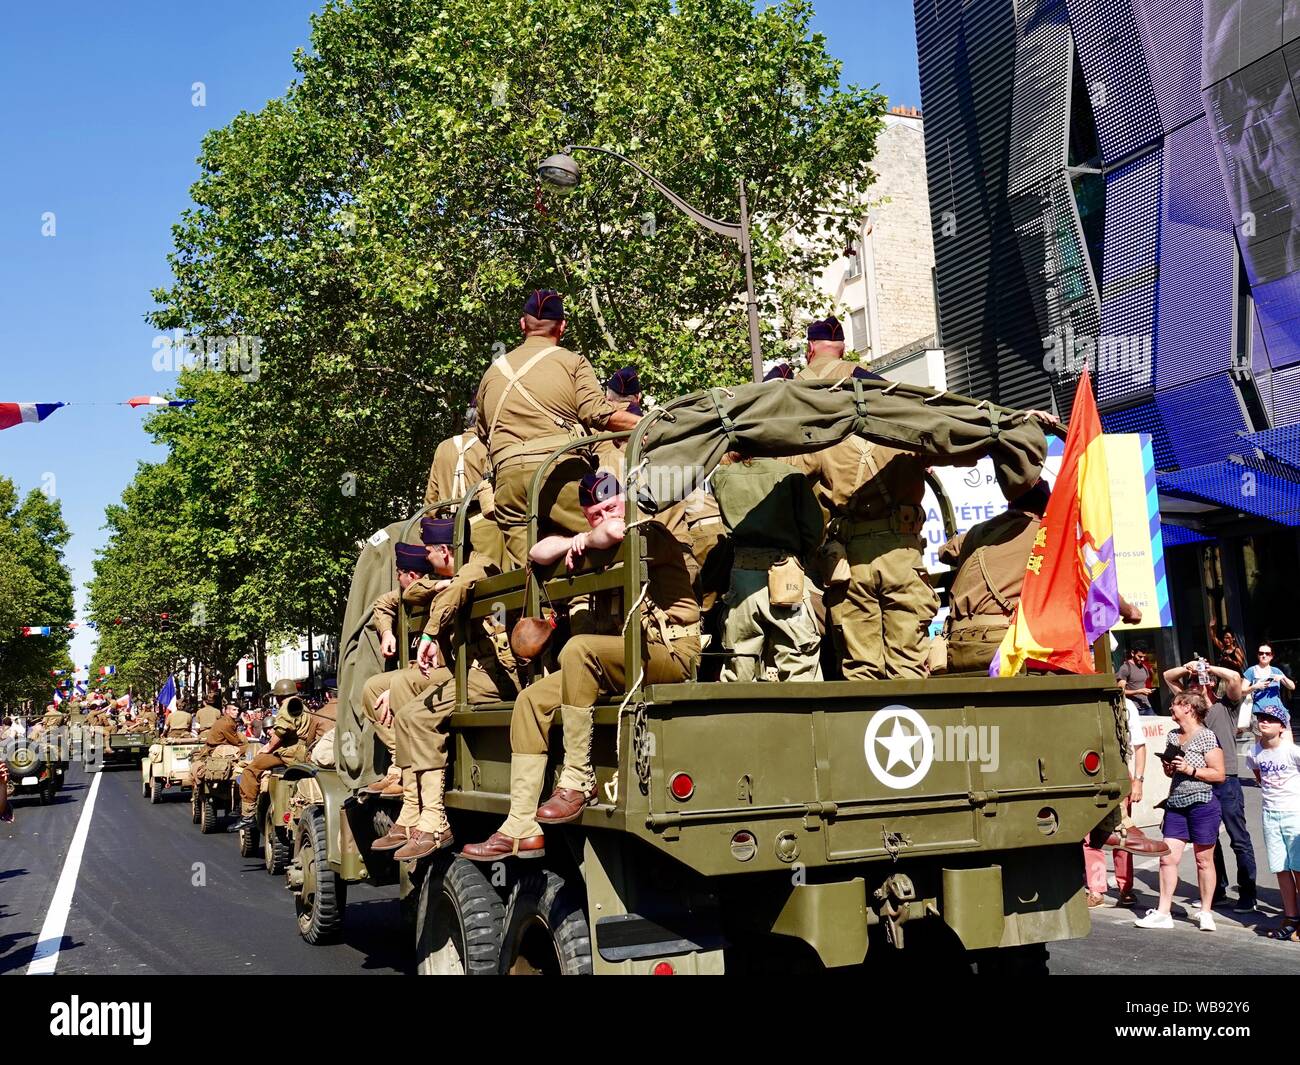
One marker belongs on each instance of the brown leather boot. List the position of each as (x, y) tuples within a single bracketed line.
[(423, 844), (398, 836), (498, 846), (1135, 842), (564, 805), (380, 786)]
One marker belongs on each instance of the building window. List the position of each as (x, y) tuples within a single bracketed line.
[(854, 268), (861, 338)]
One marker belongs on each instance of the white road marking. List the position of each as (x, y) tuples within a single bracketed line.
[(46, 956)]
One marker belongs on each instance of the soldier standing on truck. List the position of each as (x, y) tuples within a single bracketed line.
[(420, 723), (459, 463), (208, 712), (775, 524), (417, 585), (590, 666), (292, 735), (532, 401)]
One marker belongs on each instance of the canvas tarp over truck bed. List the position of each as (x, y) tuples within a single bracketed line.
[(796, 417)]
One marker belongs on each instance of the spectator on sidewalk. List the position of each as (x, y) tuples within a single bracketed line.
[(1192, 813), (1207, 680), (1265, 681), (1094, 858), (1275, 761), (6, 809), (1134, 677), (1228, 652)]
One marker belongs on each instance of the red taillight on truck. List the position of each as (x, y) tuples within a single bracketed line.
[(681, 786), (1091, 762), (664, 968)]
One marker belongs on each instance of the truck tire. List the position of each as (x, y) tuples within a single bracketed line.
[(155, 791), (459, 923), (208, 822), (144, 786), (323, 897), (546, 929), (48, 788), (1028, 960), (250, 845), (196, 801), (275, 851)]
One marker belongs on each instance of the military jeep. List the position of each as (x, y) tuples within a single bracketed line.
[(167, 765), (932, 823), (36, 767)]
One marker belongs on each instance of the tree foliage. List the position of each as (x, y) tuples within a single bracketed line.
[(377, 228), (35, 589)]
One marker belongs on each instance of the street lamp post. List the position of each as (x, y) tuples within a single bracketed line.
[(562, 170)]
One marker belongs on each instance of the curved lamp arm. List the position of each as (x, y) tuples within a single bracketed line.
[(725, 229)]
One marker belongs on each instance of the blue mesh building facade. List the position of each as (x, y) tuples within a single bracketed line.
[(1118, 182)]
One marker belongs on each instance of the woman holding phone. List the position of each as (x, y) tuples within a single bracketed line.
[(1194, 761)]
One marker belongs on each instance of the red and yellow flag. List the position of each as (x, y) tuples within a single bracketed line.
[(1070, 595)]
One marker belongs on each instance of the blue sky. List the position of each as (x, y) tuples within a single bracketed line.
[(99, 128)]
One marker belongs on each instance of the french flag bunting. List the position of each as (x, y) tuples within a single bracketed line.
[(16, 413)]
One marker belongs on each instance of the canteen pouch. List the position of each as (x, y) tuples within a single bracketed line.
[(785, 582), (529, 637), (907, 519)]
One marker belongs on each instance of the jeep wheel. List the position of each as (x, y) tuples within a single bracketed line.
[(48, 787), (144, 786), (459, 923), (275, 851), (546, 930), (208, 823), (155, 790), (196, 803), (321, 900)]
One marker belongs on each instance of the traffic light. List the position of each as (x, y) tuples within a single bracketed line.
[(250, 671)]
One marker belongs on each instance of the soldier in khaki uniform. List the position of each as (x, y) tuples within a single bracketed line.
[(421, 714), (179, 725), (990, 562), (774, 521), (531, 401), (590, 666), (292, 735), (881, 608), (208, 712), (624, 388), (222, 733), (459, 463), (418, 578)]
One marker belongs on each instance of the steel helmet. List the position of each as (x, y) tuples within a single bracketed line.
[(284, 688)]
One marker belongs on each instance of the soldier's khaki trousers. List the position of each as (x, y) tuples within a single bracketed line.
[(402, 686), (420, 722), (557, 505), (589, 667), (486, 538), (250, 778), (758, 632), (883, 613)]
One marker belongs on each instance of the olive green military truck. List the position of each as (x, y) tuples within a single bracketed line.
[(753, 826), (126, 748)]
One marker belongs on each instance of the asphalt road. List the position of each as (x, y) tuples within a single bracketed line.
[(154, 895)]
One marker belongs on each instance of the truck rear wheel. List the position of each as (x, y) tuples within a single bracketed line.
[(275, 851), (323, 896), (459, 923), (546, 929), (155, 790), (196, 802), (48, 787), (209, 816), (144, 786)]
